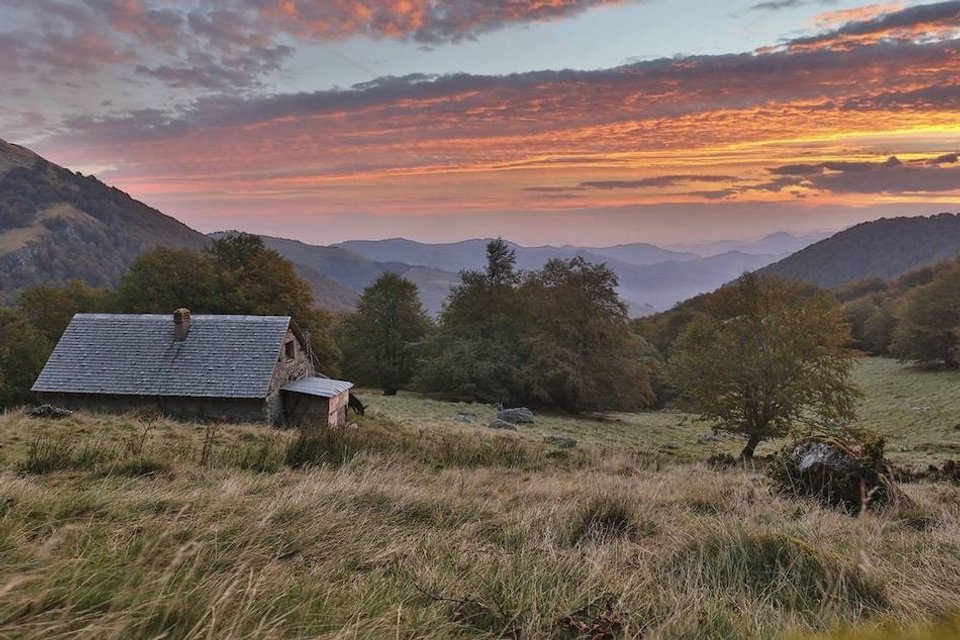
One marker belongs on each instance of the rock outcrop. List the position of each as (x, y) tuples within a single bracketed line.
[(836, 473)]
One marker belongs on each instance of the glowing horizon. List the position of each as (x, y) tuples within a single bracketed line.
[(850, 115)]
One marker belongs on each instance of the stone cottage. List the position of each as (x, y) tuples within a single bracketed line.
[(203, 367)]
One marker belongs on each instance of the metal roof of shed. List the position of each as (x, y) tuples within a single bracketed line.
[(321, 387), (221, 357)]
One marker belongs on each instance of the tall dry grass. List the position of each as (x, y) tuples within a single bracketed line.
[(430, 538)]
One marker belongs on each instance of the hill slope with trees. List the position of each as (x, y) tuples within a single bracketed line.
[(885, 248), (58, 225)]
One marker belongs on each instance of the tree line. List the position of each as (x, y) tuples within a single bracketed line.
[(761, 357), (914, 318), (556, 337)]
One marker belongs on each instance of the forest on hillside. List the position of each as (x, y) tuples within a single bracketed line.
[(62, 225), (886, 248)]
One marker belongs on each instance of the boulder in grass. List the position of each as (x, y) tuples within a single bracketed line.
[(564, 442), (503, 425), (836, 473), (516, 416)]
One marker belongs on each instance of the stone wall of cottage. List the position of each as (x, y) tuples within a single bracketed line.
[(235, 410), (293, 363)]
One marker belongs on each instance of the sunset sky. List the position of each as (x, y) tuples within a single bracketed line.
[(545, 121)]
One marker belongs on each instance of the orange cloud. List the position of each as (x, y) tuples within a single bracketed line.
[(875, 24), (701, 129), (429, 21), (840, 17)]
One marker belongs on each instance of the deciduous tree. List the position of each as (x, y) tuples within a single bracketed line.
[(238, 274), (379, 340), (50, 309), (766, 358), (581, 352), (162, 280), (929, 327), (23, 351), (558, 337), (477, 352)]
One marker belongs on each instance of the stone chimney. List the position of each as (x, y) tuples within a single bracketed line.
[(181, 324)]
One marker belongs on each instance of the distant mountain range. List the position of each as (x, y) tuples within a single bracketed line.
[(470, 254), (775, 243), (651, 278), (885, 248), (56, 225)]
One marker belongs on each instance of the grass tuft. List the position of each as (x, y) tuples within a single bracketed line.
[(143, 466), (608, 516), (62, 453), (776, 567)]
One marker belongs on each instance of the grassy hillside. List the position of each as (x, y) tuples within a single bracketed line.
[(886, 248), (57, 225), (127, 527), (918, 411)]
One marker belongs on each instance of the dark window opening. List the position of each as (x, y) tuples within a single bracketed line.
[(290, 350)]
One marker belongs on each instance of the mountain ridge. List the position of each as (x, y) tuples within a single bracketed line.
[(645, 287), (57, 224), (773, 243), (885, 248)]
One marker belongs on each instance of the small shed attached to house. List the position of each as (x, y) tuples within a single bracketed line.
[(203, 367), (315, 401)]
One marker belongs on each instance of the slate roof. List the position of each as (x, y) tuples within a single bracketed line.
[(222, 356), (322, 387)]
